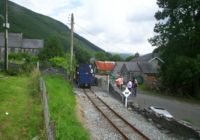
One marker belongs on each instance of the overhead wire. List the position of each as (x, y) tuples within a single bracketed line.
[(91, 34)]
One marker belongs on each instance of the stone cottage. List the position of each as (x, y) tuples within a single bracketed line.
[(130, 70), (16, 43)]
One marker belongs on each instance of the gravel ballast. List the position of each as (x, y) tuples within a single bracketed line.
[(101, 129), (94, 121)]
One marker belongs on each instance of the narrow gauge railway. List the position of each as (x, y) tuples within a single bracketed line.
[(127, 130)]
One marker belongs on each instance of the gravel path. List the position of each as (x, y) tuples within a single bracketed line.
[(100, 128)]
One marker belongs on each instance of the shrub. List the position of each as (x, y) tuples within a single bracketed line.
[(59, 62), (21, 63)]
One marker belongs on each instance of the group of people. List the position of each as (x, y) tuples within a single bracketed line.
[(132, 86)]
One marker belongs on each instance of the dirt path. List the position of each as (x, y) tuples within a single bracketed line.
[(180, 110)]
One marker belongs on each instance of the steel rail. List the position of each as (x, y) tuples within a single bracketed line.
[(116, 114)]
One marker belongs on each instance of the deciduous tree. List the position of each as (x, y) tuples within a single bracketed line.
[(178, 42), (52, 48)]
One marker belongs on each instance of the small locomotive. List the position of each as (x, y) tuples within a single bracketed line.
[(85, 75)]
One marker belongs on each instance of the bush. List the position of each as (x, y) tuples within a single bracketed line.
[(59, 62), (17, 69), (22, 57), (21, 63)]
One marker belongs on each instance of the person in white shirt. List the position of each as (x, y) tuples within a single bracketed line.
[(130, 85)]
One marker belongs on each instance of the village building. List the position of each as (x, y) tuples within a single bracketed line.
[(117, 69), (16, 43), (129, 71), (148, 72), (152, 58), (144, 68)]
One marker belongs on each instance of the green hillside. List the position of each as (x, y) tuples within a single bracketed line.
[(34, 25)]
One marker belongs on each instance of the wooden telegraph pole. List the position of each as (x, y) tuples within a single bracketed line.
[(72, 46), (6, 26)]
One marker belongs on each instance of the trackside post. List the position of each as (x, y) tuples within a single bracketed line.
[(126, 93)]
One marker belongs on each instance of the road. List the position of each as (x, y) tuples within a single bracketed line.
[(180, 110)]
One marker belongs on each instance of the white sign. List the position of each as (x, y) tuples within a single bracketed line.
[(126, 92), (6, 25)]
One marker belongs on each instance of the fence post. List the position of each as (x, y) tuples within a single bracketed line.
[(49, 126), (38, 65), (108, 82)]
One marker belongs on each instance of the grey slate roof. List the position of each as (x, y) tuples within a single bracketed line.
[(32, 43), (147, 68), (145, 57), (148, 58), (132, 66), (118, 66), (157, 59), (14, 40)]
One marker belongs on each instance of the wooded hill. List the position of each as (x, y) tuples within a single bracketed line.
[(34, 25)]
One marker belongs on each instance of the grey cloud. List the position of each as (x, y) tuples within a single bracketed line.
[(141, 18), (137, 40), (96, 30)]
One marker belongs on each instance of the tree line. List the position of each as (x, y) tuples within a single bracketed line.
[(53, 48)]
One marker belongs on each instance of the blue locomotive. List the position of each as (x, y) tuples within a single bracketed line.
[(85, 75)]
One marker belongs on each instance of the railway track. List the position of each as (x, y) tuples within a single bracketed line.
[(127, 130)]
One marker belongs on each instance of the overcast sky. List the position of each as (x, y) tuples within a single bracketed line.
[(114, 25)]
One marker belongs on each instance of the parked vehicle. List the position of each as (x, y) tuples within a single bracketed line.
[(161, 111), (85, 75)]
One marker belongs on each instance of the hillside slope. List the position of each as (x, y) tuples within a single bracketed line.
[(34, 25)]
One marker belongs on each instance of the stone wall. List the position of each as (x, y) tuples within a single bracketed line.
[(171, 125)]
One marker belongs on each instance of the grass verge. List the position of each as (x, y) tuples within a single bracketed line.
[(20, 108), (62, 104)]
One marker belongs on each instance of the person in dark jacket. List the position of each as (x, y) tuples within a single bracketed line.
[(135, 84)]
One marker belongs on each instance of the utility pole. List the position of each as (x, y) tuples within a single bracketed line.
[(72, 46), (6, 26)]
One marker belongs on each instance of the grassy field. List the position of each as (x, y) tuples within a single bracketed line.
[(62, 109), (20, 108)]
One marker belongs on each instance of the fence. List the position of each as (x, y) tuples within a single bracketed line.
[(49, 125)]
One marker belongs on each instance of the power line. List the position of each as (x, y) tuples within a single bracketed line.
[(84, 29), (91, 34)]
